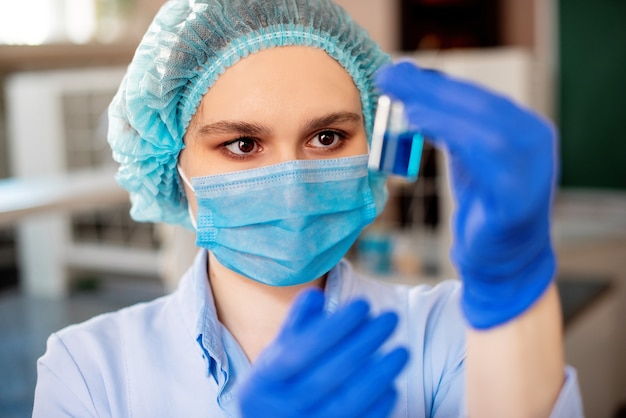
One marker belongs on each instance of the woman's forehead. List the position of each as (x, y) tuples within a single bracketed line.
[(284, 79)]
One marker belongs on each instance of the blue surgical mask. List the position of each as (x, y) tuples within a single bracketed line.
[(287, 223)]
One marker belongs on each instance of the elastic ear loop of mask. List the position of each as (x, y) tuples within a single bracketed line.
[(188, 183)]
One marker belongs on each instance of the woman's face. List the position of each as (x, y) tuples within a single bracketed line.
[(280, 104)]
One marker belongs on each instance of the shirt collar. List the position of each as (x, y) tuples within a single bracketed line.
[(200, 316)]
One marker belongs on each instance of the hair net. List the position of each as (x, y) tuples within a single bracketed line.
[(186, 48)]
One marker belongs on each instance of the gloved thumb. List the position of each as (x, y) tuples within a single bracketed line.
[(307, 307), (399, 80)]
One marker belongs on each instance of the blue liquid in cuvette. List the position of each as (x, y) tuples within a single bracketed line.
[(401, 154)]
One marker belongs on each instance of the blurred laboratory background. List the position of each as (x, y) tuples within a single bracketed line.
[(69, 250)]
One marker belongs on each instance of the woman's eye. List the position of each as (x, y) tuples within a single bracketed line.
[(242, 146), (326, 139)]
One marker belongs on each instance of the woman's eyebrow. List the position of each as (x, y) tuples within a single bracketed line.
[(332, 119), (233, 127), (254, 129)]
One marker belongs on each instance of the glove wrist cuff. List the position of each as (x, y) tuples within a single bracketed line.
[(489, 300)]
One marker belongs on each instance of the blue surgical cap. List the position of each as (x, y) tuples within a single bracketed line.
[(187, 47)]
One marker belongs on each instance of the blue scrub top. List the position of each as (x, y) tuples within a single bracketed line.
[(172, 357)]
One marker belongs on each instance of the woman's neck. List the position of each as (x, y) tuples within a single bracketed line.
[(251, 311)]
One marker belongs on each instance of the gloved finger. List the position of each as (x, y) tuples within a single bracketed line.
[(293, 352), (372, 383), (469, 136), (339, 365), (382, 407), (456, 114), (407, 82), (257, 400), (308, 306)]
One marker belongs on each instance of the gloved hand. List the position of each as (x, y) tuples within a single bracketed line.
[(502, 171), (325, 366)]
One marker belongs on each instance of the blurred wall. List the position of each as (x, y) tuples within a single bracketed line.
[(518, 22), (4, 159), (379, 18)]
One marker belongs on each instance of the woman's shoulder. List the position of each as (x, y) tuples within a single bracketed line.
[(113, 355), (135, 321)]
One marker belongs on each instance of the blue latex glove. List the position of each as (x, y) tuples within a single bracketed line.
[(502, 171), (325, 366)]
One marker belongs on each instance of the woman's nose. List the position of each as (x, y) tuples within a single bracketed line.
[(289, 152)]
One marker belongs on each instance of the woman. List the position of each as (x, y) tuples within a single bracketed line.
[(249, 121)]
